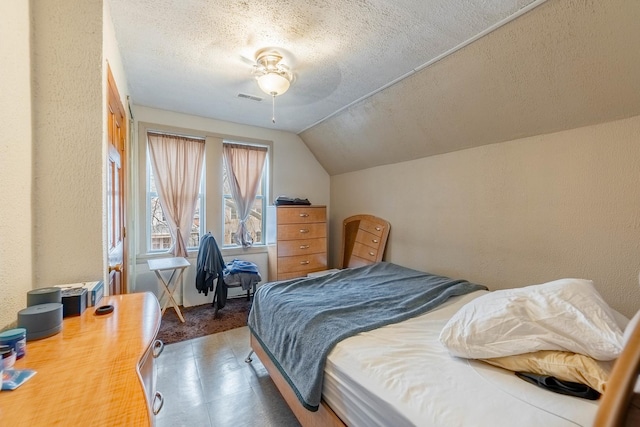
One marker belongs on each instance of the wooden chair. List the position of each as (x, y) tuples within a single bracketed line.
[(364, 238), (619, 405)]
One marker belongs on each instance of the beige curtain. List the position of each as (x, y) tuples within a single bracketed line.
[(244, 165), (177, 168)]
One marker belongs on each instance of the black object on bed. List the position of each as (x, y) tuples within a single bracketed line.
[(299, 321), (555, 385)]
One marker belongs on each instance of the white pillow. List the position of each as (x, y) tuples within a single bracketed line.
[(566, 315), (628, 330)]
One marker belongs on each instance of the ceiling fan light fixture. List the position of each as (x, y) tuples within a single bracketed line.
[(273, 77), (273, 83)]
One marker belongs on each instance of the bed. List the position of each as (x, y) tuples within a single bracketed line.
[(400, 373)]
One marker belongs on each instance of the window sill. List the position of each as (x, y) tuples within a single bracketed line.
[(193, 254), (236, 250)]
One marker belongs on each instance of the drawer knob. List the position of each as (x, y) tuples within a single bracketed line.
[(371, 253), (304, 230), (378, 228), (304, 246), (304, 215), (158, 346), (374, 240), (157, 398), (304, 262)]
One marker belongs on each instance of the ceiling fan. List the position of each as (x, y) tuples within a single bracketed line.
[(273, 77)]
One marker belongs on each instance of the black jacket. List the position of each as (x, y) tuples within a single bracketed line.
[(210, 267)]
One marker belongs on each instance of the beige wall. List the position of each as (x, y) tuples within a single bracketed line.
[(68, 134), (111, 53), (516, 213), (53, 163), (16, 158)]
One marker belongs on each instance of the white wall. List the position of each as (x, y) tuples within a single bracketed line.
[(296, 173), (16, 159), (512, 214)]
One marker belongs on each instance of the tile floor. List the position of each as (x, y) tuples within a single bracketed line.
[(205, 382)]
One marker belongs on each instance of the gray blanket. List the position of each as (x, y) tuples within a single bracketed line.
[(299, 321)]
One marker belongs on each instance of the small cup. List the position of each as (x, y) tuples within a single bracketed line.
[(8, 355)]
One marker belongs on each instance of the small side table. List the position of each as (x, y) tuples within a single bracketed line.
[(175, 265)]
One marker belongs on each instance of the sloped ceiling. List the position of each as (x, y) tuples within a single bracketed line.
[(374, 81), (564, 65)]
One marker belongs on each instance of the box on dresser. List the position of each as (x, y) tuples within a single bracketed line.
[(95, 291), (74, 301)]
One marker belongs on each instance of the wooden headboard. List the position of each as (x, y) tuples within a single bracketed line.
[(364, 238), (619, 405)]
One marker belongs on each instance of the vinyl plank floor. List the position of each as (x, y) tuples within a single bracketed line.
[(206, 383)]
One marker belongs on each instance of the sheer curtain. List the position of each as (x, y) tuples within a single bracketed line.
[(244, 165), (177, 168)]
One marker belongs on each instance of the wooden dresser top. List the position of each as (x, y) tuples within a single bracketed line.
[(88, 373)]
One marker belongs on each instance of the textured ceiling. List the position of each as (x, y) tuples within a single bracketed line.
[(380, 82), (195, 56), (564, 65)]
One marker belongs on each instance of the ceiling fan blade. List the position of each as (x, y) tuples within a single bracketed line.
[(247, 60)]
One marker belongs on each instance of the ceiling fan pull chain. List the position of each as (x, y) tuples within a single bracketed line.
[(273, 107)]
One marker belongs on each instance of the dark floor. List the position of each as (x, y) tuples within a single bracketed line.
[(205, 382)]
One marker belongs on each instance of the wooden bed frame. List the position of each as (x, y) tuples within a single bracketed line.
[(619, 406), (323, 417)]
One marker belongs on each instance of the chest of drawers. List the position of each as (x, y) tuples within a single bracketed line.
[(301, 242), (364, 240)]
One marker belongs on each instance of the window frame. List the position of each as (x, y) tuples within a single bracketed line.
[(149, 196), (211, 215), (264, 184)]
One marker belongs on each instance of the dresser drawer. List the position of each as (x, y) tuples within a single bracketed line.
[(302, 247), (368, 239), (371, 227), (302, 264), (302, 231), (301, 214), (365, 252)]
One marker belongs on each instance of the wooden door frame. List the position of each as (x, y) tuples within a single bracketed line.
[(114, 101)]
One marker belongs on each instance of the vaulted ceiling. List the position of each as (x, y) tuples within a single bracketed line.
[(379, 81)]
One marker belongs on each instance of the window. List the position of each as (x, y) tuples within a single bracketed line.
[(215, 210), (256, 220), (158, 237)]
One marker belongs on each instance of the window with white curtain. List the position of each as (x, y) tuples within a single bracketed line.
[(256, 222), (210, 216), (158, 236)]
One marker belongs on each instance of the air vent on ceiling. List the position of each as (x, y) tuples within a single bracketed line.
[(251, 97)]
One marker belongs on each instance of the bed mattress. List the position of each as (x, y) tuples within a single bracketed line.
[(400, 375)]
